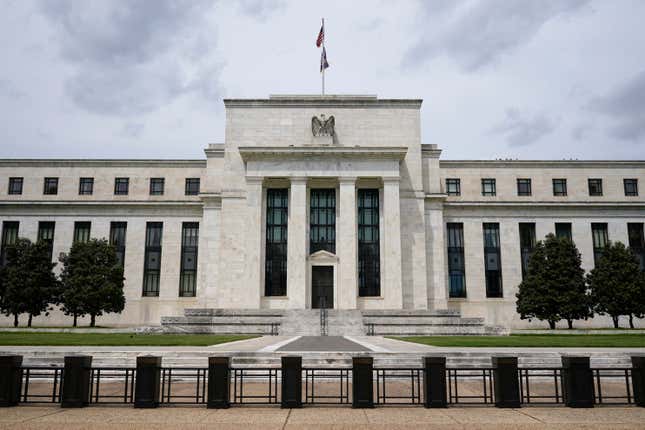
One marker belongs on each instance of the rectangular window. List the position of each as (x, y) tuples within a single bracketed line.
[(523, 187), (631, 187), (369, 257), (563, 229), (595, 187), (322, 220), (189, 245), (50, 186), (117, 239), (560, 187), (275, 268), (453, 186), (15, 185), (492, 260), (46, 234), (121, 186), (489, 187), (456, 261), (637, 241), (82, 231), (152, 259), (157, 186), (600, 240), (192, 186), (527, 244), (9, 237), (86, 186)]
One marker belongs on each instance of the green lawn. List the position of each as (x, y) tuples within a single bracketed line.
[(534, 340), (29, 338)]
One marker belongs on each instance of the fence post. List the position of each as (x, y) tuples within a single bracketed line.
[(434, 382), (147, 382), (578, 382), (291, 382), (362, 382), (505, 378), (219, 383), (10, 379), (638, 379), (76, 381)]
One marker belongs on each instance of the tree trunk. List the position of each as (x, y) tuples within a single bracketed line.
[(15, 320), (570, 322), (29, 321), (631, 321), (93, 321), (75, 318), (615, 320), (552, 325)]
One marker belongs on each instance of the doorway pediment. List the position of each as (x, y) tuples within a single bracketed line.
[(322, 257)]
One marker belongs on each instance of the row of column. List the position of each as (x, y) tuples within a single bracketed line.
[(346, 289)]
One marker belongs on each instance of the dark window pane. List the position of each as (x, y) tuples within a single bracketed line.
[(50, 186), (9, 238), (157, 186), (527, 244), (152, 259), (559, 187), (600, 240), (46, 234), (523, 187), (117, 239), (86, 186), (82, 231), (189, 246), (369, 259), (456, 260), (192, 186), (637, 241), (322, 217), (275, 270), (631, 187), (492, 260), (563, 229), (453, 186), (121, 186), (595, 187), (489, 187), (15, 185)]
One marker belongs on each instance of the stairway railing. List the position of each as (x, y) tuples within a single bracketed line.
[(323, 317)]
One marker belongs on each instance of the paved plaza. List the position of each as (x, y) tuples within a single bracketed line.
[(51, 417)]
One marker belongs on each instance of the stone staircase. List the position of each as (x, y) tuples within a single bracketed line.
[(340, 322)]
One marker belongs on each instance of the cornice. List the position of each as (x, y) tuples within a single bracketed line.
[(251, 153), (575, 164), (101, 203), (59, 162), (534, 204), (214, 150), (298, 101)]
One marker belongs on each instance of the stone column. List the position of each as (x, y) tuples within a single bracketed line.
[(436, 251), (251, 293), (297, 244), (391, 286), (208, 279), (347, 245)]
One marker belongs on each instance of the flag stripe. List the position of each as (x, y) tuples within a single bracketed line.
[(321, 36)]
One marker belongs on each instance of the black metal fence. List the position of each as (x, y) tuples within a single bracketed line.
[(504, 384)]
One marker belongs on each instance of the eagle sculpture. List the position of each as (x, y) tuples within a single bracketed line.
[(321, 126)]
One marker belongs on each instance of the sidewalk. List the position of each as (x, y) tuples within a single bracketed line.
[(52, 417)]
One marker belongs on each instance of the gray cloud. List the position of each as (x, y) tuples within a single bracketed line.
[(625, 107), (479, 32), (131, 57), (520, 130), (10, 91), (132, 129), (260, 9)]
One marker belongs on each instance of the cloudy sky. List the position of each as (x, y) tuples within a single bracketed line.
[(529, 79)]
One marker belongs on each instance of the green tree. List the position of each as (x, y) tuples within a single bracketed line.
[(30, 286), (554, 285), (616, 284), (92, 280)]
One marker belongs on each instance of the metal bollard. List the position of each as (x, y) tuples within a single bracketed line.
[(147, 382), (638, 379), (219, 383), (507, 386), (291, 382), (362, 382), (10, 379), (76, 381), (578, 382), (434, 382)]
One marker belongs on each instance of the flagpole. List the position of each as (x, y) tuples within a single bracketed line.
[(323, 46)]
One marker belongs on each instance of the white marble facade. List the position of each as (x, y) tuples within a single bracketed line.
[(269, 144)]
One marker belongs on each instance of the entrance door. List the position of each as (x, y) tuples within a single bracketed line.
[(322, 287)]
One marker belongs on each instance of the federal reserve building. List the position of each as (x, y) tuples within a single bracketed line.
[(331, 202)]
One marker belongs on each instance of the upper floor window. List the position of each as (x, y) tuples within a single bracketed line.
[(15, 185), (192, 186), (559, 187), (121, 186), (156, 186), (523, 187), (631, 187), (595, 187), (86, 186), (51, 186), (488, 187), (453, 186)]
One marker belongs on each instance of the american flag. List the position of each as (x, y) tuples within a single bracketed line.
[(323, 60), (321, 36)]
